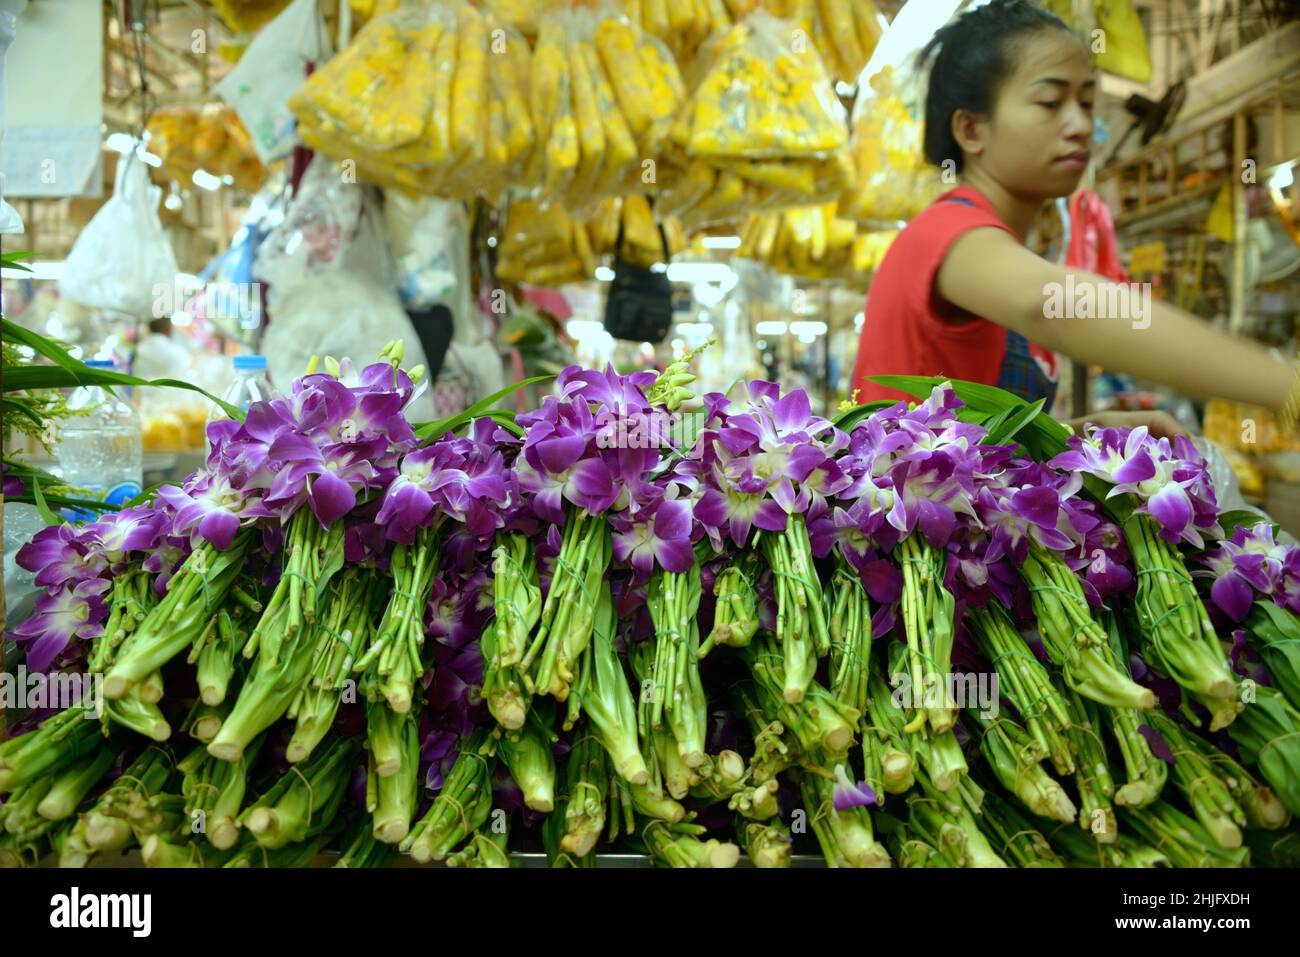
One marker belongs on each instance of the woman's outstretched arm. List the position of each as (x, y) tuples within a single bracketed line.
[(1113, 325)]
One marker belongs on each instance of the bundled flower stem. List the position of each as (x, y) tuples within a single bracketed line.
[(305, 801), (253, 854), (107, 827), (1145, 774), (485, 848), (1175, 624), (1198, 779), (64, 738), (885, 736), (394, 659), (214, 793), (215, 655), (312, 556), (944, 822), (940, 754), (362, 849), (392, 771), (674, 601), (1092, 776), (766, 845), (518, 606), (1078, 848), (928, 621), (587, 784), (845, 836), (130, 601), (71, 786), (801, 626), (527, 755), (1025, 682), (1014, 758), (773, 753), (850, 632), (194, 595), (1074, 639), (205, 720), (461, 807), (1014, 838), (818, 722), (1268, 736), (1180, 838), (138, 715), (1263, 809), (1275, 634), (607, 699), (735, 616), (341, 634), (19, 817), (681, 845), (570, 608)]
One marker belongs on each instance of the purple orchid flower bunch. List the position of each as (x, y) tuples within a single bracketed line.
[(766, 462), (1252, 564), (1173, 503), (87, 573)]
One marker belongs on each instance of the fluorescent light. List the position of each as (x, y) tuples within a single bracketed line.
[(173, 202), (720, 242), (808, 339), (492, 242), (582, 328), (686, 328), (205, 180), (1282, 178), (701, 272), (659, 267), (770, 327), (604, 274), (181, 318), (707, 294), (149, 158), (844, 89), (858, 320), (187, 280), (808, 328), (120, 142)]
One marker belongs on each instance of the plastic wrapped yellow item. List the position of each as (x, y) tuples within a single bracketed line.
[(543, 245), (765, 98), (246, 16), (892, 180), (646, 82), (432, 98), (813, 242)]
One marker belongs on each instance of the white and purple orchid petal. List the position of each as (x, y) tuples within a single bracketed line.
[(1038, 505), (1172, 509), (331, 498), (770, 516), (1233, 595), (848, 795)]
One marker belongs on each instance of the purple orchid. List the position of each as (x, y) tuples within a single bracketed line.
[(207, 507), (57, 555), (656, 529), (1249, 563), (847, 795), (72, 612), (13, 486), (1169, 480)]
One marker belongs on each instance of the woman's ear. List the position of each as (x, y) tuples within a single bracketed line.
[(969, 130)]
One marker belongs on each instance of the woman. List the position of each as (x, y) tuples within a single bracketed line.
[(1010, 104)]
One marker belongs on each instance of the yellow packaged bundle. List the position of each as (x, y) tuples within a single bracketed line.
[(681, 25), (543, 246), (812, 242), (766, 96), (892, 180), (646, 82), (643, 244), (246, 16), (519, 15), (171, 139), (869, 249), (430, 99)]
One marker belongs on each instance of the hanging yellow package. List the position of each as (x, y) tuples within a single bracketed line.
[(469, 87), (1124, 50), (645, 79), (620, 148), (591, 132), (763, 99)]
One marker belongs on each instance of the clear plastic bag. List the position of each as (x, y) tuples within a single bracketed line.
[(320, 222), (122, 258), (268, 73), (429, 240)]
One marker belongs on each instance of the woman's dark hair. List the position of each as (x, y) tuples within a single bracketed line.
[(972, 57)]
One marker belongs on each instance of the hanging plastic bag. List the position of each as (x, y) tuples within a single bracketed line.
[(429, 240), (320, 222), (350, 310), (122, 259), (268, 73)]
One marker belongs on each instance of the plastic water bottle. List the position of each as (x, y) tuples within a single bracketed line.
[(100, 451), (252, 384)]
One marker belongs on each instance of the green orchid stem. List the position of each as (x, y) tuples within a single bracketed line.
[(801, 625), (1175, 624), (929, 624), (674, 602)]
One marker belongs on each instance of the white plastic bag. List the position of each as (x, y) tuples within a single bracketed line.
[(314, 235), (348, 311), (429, 239), (122, 259), (271, 69)]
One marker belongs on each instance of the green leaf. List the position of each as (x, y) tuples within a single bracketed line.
[(146, 496), (47, 347), (1012, 424), (27, 378), (19, 407), (1235, 518), (849, 418), (10, 260), (433, 430), (39, 500)]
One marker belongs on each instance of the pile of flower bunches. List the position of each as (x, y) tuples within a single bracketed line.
[(602, 624)]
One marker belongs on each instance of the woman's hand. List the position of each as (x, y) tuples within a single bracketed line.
[(1161, 425)]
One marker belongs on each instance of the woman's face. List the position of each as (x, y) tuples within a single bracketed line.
[(1037, 142)]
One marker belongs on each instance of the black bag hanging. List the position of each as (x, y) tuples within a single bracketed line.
[(639, 307)]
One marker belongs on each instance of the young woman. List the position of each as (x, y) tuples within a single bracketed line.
[(1011, 105)]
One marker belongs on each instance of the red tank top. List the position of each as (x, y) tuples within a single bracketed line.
[(904, 332)]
